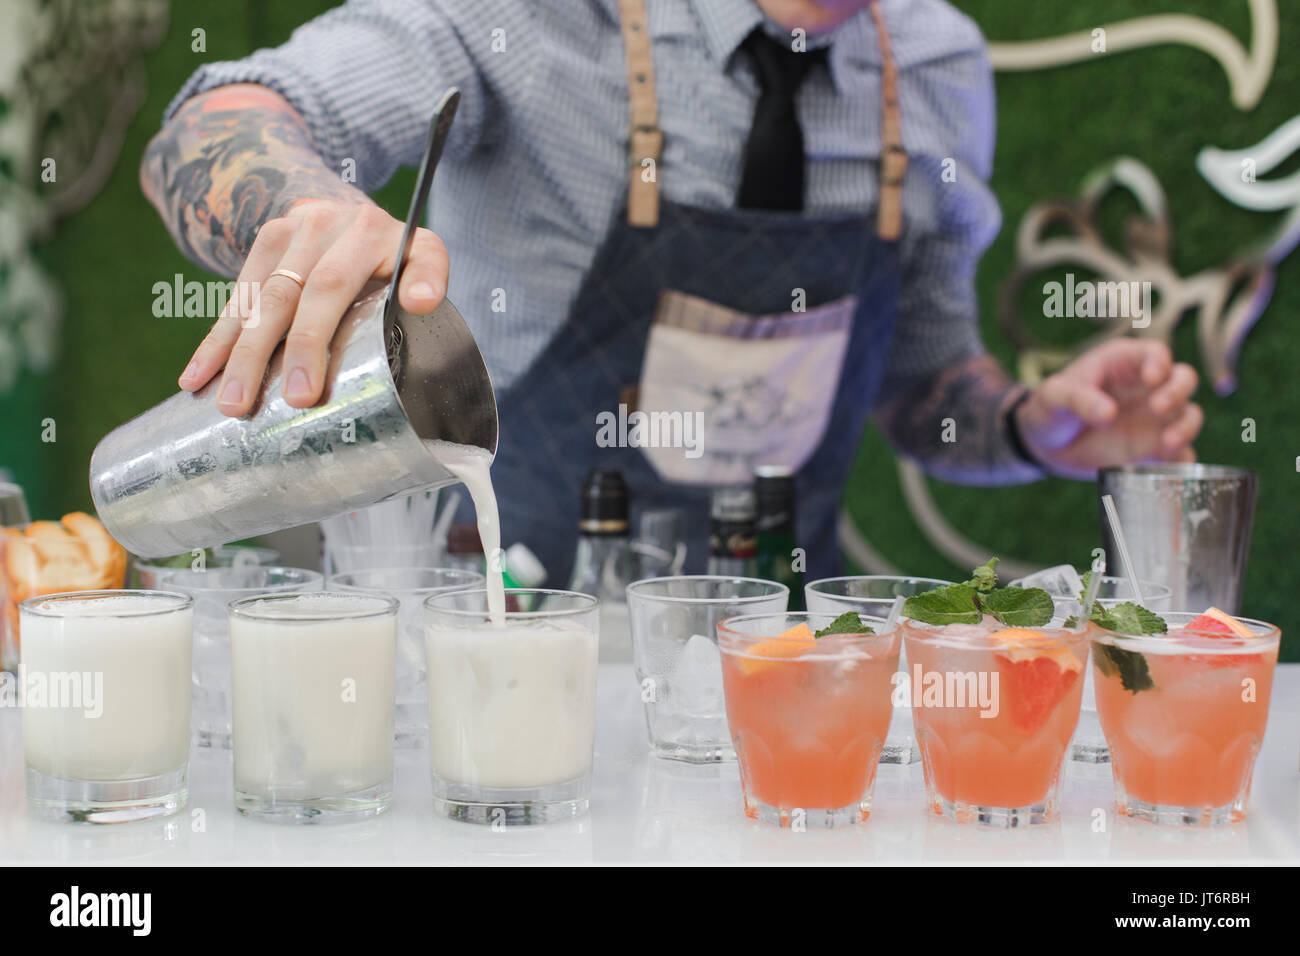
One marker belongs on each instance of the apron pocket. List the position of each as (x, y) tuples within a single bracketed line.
[(736, 390)]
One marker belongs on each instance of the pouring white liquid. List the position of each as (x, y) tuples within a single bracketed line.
[(472, 465)]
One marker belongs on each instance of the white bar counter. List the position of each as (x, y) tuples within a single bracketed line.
[(657, 811)]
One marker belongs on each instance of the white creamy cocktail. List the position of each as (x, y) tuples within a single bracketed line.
[(105, 680), (313, 695), (512, 706), (411, 586)]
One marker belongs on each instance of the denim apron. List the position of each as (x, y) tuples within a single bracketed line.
[(676, 291)]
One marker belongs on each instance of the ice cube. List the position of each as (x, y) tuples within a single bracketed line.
[(1060, 581), (696, 683)]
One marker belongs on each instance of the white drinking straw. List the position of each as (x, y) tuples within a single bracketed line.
[(1108, 502), (895, 610), (443, 524)]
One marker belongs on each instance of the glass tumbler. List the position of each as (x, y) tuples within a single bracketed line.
[(212, 590), (313, 696), (674, 624), (1184, 714), (875, 594), (808, 715), (412, 587), (106, 714), (512, 705)]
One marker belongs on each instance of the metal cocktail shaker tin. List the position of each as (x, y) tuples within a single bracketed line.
[(183, 475), (1187, 526)]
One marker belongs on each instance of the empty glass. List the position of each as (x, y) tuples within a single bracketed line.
[(660, 545), (150, 574), (411, 586), (874, 594), (212, 590), (674, 623)]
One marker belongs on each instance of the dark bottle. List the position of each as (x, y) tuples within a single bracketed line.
[(774, 524), (602, 566), (464, 548), (732, 548)]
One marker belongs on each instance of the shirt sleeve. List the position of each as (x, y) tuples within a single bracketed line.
[(367, 75), (938, 312)]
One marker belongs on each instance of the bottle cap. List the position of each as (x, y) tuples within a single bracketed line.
[(524, 566), (603, 506)]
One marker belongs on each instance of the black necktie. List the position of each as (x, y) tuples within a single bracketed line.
[(774, 157)]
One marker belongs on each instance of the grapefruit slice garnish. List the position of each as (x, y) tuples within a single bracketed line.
[(1217, 622), (1037, 685), (792, 642), (1038, 676), (1027, 645)]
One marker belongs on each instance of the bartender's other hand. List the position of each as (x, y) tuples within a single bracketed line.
[(1122, 402), (337, 247)]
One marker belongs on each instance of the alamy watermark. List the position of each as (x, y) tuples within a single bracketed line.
[(192, 299), (639, 429), (56, 690), (943, 689), (1086, 299)]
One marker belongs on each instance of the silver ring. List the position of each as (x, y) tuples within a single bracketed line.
[(290, 275)]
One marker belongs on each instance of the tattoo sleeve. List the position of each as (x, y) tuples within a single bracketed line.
[(954, 425), (228, 161)]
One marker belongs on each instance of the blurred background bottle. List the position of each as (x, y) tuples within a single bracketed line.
[(774, 526), (732, 546), (464, 548), (603, 564), (520, 567)]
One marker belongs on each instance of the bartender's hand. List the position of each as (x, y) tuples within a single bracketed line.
[(337, 247), (1123, 402), (241, 186)]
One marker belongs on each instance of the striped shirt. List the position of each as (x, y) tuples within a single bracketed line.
[(535, 172)]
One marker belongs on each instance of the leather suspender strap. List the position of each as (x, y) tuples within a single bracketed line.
[(893, 158), (645, 139)]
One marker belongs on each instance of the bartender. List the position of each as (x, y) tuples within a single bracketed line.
[(764, 216)]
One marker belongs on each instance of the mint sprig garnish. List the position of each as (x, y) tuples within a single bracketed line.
[(985, 578), (1127, 618), (1131, 666), (850, 622), (952, 604), (1019, 607), (969, 601)]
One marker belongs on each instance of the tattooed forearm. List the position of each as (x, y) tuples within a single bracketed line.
[(975, 447), (228, 161)]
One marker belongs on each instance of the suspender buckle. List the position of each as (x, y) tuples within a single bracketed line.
[(644, 142), (893, 164)]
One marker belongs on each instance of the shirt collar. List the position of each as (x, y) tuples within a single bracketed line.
[(855, 48), (726, 23)]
